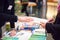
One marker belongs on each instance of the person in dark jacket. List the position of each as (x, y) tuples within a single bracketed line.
[(24, 7), (5, 16), (53, 28), (9, 9)]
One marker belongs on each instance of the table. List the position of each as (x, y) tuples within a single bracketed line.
[(25, 35), (36, 34)]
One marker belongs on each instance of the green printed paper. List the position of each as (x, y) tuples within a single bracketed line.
[(38, 37), (10, 38)]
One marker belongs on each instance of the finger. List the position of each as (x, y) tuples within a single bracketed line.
[(43, 22)]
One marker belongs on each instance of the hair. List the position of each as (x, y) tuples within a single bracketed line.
[(58, 15), (58, 11)]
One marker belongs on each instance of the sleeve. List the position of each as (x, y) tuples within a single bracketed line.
[(7, 18), (11, 2), (52, 27)]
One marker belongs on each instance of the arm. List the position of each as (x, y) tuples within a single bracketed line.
[(7, 18), (52, 27)]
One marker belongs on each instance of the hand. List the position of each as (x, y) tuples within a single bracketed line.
[(51, 20), (43, 24), (13, 33), (25, 19)]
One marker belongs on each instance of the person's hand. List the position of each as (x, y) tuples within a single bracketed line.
[(25, 19), (51, 20), (13, 33), (43, 24)]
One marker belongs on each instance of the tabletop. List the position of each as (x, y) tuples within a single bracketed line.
[(38, 33)]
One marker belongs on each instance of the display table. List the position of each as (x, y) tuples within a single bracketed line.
[(29, 32)]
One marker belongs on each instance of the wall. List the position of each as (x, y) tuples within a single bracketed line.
[(51, 9)]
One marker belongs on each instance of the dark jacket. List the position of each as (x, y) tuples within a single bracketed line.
[(6, 4), (54, 28), (10, 12), (4, 16), (32, 0)]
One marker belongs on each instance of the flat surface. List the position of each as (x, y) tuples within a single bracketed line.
[(37, 37), (28, 34), (25, 35)]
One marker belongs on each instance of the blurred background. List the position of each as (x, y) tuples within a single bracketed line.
[(49, 9)]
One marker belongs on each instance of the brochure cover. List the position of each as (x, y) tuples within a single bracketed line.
[(37, 37), (10, 38)]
